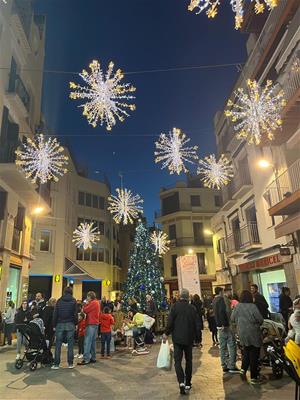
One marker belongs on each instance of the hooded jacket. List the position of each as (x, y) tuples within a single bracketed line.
[(65, 310), (182, 323)]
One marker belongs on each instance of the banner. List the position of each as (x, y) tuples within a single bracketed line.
[(188, 274)]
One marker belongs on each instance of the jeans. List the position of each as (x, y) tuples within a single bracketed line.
[(8, 330), (20, 340), (251, 358), (227, 346), (178, 354), (90, 343), (64, 330), (105, 341)]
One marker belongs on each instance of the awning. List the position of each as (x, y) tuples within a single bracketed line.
[(288, 226), (76, 272)]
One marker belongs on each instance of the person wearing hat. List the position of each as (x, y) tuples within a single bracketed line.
[(182, 324)]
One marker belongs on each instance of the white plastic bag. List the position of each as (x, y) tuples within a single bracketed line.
[(148, 322), (164, 356)]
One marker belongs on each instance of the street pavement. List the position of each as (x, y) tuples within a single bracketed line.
[(130, 378)]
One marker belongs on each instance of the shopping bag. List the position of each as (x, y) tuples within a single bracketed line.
[(164, 356), (148, 322)]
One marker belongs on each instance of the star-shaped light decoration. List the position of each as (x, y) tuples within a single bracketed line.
[(161, 243), (211, 8), (85, 235), (171, 150), (42, 160), (215, 173), (125, 206), (256, 112), (105, 94)]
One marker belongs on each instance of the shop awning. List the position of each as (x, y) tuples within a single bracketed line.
[(75, 271), (288, 226)]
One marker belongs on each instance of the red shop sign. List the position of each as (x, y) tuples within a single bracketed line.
[(270, 261)]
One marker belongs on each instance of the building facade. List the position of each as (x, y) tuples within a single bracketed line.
[(185, 216), (22, 43), (256, 230)]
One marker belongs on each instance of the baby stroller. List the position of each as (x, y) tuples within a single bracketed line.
[(36, 348)]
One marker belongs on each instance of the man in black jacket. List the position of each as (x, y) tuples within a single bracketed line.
[(260, 302), (65, 318), (182, 323)]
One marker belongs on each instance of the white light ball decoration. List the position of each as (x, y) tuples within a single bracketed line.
[(216, 174), (106, 96), (152, 292), (148, 262), (42, 160), (85, 235), (162, 279), (161, 243), (125, 206)]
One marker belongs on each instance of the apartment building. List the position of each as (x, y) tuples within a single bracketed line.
[(22, 44), (256, 232), (185, 215), (58, 262)]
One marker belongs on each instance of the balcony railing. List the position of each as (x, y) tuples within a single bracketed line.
[(16, 240), (8, 152), (284, 185), (191, 241), (24, 12), (243, 238), (19, 88)]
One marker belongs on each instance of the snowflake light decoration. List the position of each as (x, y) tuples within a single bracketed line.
[(125, 206), (42, 160), (256, 112), (215, 173), (211, 8), (106, 96), (172, 152), (160, 241), (85, 235)]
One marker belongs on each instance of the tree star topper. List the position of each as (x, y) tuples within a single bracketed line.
[(211, 8), (125, 206), (215, 173), (172, 152), (42, 160), (85, 235), (256, 111), (161, 243), (106, 96)]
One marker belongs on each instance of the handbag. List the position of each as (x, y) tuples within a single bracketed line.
[(164, 356)]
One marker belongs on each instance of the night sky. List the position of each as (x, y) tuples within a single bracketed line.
[(138, 35)]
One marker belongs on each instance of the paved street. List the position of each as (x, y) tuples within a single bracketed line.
[(127, 377)]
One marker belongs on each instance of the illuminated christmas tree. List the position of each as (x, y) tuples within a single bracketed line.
[(144, 273)]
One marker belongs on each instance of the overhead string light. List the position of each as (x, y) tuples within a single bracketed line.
[(42, 160), (171, 150), (216, 173), (211, 8), (125, 206), (106, 96), (85, 235), (257, 111), (161, 243)]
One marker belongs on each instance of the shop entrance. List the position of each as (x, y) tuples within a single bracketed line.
[(39, 284), (270, 283), (94, 286), (13, 285)]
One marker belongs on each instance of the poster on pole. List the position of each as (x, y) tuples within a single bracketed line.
[(188, 274)]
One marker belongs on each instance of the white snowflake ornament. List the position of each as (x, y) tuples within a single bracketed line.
[(161, 243), (85, 235), (215, 173), (125, 207)]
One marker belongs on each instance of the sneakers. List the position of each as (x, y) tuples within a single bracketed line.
[(76, 356), (257, 381), (18, 356), (55, 367), (93, 361), (188, 386), (182, 388), (80, 356), (225, 370), (234, 370), (83, 362), (243, 375), (71, 366)]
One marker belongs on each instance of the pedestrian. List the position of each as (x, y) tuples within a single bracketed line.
[(197, 303), (47, 317), (150, 308), (285, 304), (40, 303), (106, 323), (225, 334), (106, 303), (80, 334), (22, 316), (182, 323), (235, 300), (92, 312), (65, 319), (212, 325), (260, 302), (9, 320), (248, 320), (133, 305), (294, 323)]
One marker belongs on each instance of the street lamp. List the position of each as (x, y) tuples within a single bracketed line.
[(207, 232), (190, 251), (38, 210), (263, 163)]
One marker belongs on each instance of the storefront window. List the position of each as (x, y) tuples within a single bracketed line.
[(271, 284), (13, 285)]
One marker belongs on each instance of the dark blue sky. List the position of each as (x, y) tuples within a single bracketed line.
[(139, 35)]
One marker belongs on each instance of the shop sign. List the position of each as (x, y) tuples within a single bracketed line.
[(270, 261), (57, 278), (106, 283)]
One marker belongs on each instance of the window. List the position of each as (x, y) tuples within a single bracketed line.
[(173, 265), (88, 200), (107, 256), (101, 202), (170, 204), (95, 201), (81, 198), (100, 255), (218, 201), (172, 232), (201, 263), (101, 227), (3, 197), (45, 240), (195, 201), (198, 232)]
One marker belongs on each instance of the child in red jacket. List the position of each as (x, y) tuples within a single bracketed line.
[(80, 333), (106, 322)]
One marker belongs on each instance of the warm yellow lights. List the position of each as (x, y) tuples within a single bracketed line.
[(190, 251), (38, 210), (263, 163), (208, 232)]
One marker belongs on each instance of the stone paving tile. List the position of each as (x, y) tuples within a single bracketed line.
[(129, 378)]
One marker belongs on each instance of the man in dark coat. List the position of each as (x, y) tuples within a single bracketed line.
[(182, 323), (260, 302)]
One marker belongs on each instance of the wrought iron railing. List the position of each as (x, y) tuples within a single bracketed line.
[(244, 237), (19, 88)]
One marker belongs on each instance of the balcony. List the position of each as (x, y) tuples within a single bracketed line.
[(21, 21), (18, 97), (16, 240), (191, 241), (227, 196), (243, 240), (241, 182), (283, 194)]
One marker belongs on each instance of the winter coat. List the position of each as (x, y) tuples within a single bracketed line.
[(9, 316), (182, 323), (220, 311), (211, 320), (106, 322), (199, 311), (285, 303), (22, 316), (47, 317), (262, 304), (92, 311), (248, 320), (81, 328), (40, 307), (65, 310), (150, 308)]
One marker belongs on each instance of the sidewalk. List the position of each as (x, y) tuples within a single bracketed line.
[(130, 378)]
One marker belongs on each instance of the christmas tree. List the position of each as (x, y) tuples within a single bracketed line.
[(144, 273)]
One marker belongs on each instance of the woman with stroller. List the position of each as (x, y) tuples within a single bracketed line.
[(23, 316), (248, 320), (9, 319)]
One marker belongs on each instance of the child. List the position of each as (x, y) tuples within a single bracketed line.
[(294, 323), (106, 322), (80, 334), (212, 325)]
